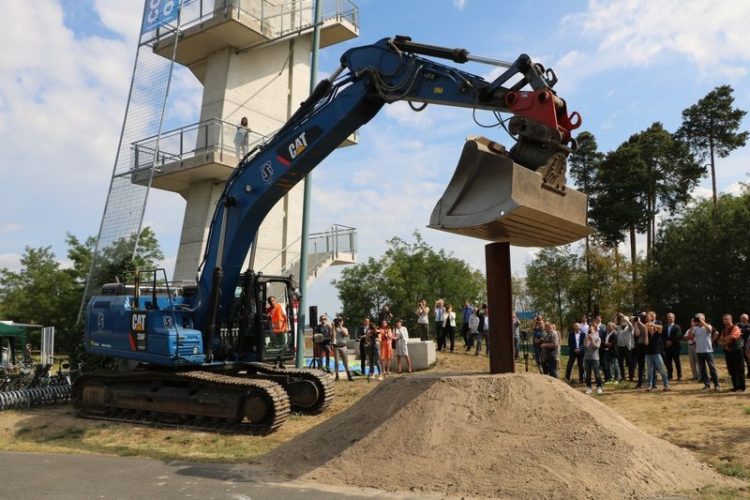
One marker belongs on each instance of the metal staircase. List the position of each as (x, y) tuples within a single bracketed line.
[(335, 246)]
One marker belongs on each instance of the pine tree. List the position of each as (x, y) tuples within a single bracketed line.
[(710, 127)]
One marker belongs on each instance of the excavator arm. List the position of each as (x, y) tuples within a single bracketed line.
[(390, 70)]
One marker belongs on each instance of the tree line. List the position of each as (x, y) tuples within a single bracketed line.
[(47, 293), (650, 178)]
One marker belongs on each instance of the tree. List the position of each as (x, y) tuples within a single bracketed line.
[(584, 164), (44, 293), (710, 127), (672, 174), (39, 293), (405, 274), (548, 280), (619, 202), (701, 261)]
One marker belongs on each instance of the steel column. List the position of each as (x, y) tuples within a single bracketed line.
[(500, 306)]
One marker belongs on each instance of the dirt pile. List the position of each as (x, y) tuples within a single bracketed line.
[(516, 435)]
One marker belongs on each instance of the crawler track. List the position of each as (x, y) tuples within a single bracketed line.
[(285, 376), (198, 400)]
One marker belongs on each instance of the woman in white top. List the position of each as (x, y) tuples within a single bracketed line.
[(449, 326), (401, 334), (241, 139)]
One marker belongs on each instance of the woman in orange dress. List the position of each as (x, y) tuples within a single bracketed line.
[(386, 346)]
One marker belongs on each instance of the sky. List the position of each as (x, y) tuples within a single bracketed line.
[(65, 70)]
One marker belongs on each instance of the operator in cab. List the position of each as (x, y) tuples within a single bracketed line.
[(279, 321)]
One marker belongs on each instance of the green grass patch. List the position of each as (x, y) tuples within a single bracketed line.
[(747, 410), (733, 470)]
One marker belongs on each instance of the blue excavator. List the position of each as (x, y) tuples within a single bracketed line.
[(212, 355)]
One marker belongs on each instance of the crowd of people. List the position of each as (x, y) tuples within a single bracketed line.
[(381, 340), (642, 349), (377, 345)]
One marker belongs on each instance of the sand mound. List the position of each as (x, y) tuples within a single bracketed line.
[(516, 435)]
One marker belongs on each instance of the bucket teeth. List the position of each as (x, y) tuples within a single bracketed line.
[(492, 198)]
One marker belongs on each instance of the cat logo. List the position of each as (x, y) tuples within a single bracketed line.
[(298, 146), (266, 171), (289, 152), (438, 90), (138, 322)]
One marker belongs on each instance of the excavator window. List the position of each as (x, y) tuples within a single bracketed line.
[(277, 331)]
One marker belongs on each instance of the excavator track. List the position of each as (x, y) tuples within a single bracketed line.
[(198, 400), (308, 402)]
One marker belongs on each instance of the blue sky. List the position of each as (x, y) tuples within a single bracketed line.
[(65, 68)]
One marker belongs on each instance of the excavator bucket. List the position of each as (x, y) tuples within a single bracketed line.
[(492, 198)]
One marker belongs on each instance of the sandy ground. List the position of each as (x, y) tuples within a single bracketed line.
[(495, 436), (712, 426)]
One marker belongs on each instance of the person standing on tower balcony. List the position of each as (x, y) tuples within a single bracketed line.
[(241, 139)]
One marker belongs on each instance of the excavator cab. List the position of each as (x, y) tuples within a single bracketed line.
[(264, 318), (494, 198)]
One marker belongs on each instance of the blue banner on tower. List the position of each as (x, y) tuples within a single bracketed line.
[(157, 13)]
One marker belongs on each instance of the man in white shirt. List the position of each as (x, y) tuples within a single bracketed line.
[(701, 332)]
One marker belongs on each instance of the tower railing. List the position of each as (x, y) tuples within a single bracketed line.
[(186, 142), (338, 242), (275, 18)]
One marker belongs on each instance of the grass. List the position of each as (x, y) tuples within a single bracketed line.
[(733, 470), (747, 410)]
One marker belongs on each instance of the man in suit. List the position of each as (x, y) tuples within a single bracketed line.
[(575, 352), (672, 337)]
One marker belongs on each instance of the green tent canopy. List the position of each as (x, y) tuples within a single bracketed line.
[(11, 331)]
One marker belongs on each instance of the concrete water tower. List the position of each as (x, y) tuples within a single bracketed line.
[(253, 59)]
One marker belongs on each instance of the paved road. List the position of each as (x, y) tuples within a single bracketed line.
[(62, 477)]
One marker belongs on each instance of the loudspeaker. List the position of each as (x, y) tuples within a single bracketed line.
[(313, 316)]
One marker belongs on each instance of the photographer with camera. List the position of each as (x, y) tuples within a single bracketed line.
[(731, 340), (423, 321), (340, 336), (654, 360), (591, 343), (640, 332), (744, 326), (701, 333), (322, 344), (550, 346), (608, 355), (538, 328), (625, 345)]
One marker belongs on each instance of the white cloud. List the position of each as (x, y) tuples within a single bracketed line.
[(711, 35), (405, 115), (10, 261), (459, 4)]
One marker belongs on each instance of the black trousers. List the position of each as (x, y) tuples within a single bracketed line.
[(363, 357), (672, 355), (449, 335), (625, 356), (640, 359), (574, 357), (440, 335), (606, 358), (736, 369)]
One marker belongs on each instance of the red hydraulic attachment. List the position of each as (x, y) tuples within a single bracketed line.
[(545, 107)]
